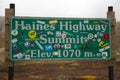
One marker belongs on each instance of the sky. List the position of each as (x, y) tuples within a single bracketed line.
[(62, 8)]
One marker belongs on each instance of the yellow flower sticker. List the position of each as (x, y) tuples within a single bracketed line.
[(32, 34)]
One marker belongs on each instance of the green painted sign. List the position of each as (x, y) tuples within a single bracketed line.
[(60, 38)]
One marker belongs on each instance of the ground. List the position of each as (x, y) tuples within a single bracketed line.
[(54, 70)]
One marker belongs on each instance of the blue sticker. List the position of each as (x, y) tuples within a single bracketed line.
[(24, 36), (48, 47), (27, 44), (98, 54), (39, 32)]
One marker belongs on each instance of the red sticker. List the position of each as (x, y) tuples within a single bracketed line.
[(106, 36)]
